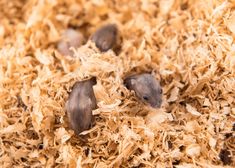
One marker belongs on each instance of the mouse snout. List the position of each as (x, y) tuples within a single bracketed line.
[(157, 104)]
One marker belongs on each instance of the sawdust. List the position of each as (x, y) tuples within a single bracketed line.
[(188, 45)]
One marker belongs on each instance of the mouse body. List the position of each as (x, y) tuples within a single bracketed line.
[(146, 88), (105, 37), (80, 104), (70, 38)]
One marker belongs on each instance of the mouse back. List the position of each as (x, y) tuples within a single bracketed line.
[(105, 37), (70, 38), (80, 104)]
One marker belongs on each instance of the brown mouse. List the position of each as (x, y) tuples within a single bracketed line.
[(80, 104), (70, 38), (146, 87), (105, 37)]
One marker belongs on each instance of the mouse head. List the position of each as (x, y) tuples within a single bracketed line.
[(147, 88), (93, 80)]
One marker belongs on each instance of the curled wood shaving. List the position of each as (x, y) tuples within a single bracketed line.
[(192, 110)]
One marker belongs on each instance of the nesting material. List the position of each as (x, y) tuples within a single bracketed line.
[(187, 45)]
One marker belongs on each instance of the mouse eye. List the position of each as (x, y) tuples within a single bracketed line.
[(160, 91), (145, 98)]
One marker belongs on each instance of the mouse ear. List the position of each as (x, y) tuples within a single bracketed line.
[(128, 83), (93, 80)]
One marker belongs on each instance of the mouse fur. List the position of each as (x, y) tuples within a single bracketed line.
[(146, 88), (80, 104), (105, 37)]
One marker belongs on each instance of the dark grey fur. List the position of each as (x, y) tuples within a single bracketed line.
[(80, 104), (146, 87), (105, 37)]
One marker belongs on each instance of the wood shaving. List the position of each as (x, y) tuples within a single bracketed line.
[(192, 110), (187, 45)]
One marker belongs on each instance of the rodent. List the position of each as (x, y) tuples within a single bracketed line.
[(105, 37), (80, 104), (70, 38), (146, 88)]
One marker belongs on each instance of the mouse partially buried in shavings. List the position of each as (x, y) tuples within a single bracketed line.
[(70, 38), (80, 104), (105, 37), (146, 88)]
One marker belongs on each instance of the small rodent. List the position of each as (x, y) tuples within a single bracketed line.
[(146, 87), (105, 37), (80, 104), (70, 38)]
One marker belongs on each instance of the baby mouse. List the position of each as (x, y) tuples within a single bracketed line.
[(105, 37), (146, 87), (70, 38), (80, 104)]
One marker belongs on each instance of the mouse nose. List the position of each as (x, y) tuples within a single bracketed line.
[(157, 104)]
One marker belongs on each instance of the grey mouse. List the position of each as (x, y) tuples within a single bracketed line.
[(80, 104), (146, 88), (70, 38), (105, 37)]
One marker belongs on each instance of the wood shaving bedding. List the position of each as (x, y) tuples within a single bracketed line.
[(188, 45)]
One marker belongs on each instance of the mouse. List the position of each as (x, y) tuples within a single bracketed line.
[(80, 104), (70, 38), (146, 87), (105, 37)]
